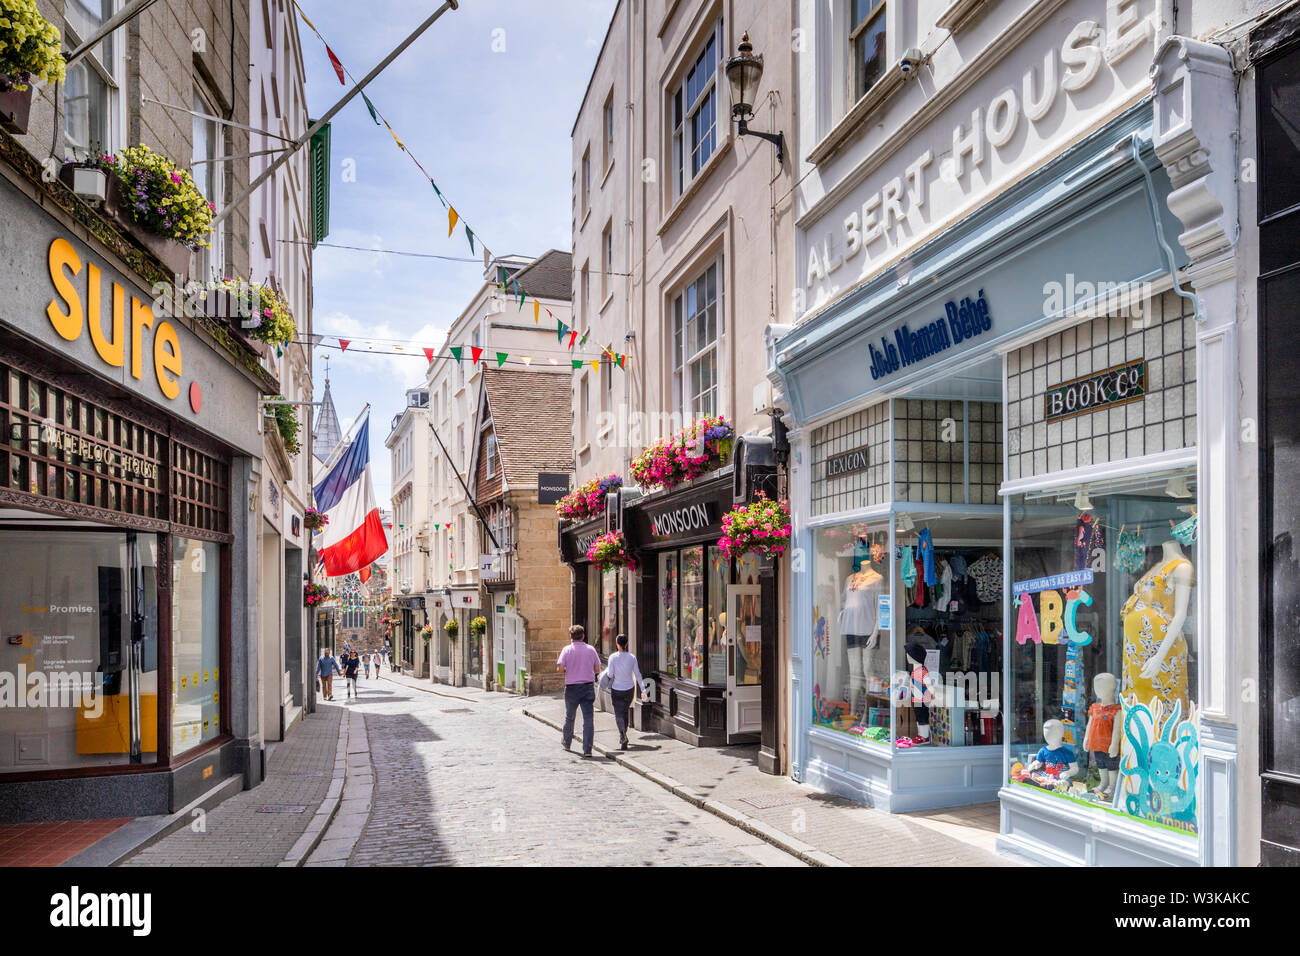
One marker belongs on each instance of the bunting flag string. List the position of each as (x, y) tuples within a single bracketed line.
[(453, 217)]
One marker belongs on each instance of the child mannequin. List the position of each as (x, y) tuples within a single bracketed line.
[(1055, 763), (1101, 738)]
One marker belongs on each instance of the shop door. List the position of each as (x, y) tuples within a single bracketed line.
[(744, 660)]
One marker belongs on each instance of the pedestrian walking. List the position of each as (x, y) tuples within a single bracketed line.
[(579, 663), (365, 663), (625, 680), (350, 668), (326, 668)]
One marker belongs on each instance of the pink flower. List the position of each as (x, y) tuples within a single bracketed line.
[(176, 178)]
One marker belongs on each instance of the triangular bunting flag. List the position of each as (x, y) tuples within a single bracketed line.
[(428, 355), (501, 277), (595, 363), (583, 340), (371, 106), (305, 20), (621, 360), (452, 218), (526, 359), (536, 311), (487, 259), (438, 191), (456, 350), (560, 330), (343, 344), (577, 363), (476, 352), (334, 62), (573, 340), (501, 358), (396, 139), (469, 234)]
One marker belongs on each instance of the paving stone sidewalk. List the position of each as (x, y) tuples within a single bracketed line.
[(816, 827), (260, 827)]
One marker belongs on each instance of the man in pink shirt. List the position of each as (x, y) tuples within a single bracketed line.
[(580, 664)]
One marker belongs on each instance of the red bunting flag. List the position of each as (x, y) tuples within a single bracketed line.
[(428, 355), (338, 67), (573, 338), (476, 353), (343, 344)]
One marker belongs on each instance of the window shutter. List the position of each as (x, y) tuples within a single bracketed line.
[(320, 184)]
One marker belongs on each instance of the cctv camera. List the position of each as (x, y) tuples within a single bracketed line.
[(910, 61)]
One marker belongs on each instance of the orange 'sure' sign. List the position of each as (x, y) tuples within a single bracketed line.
[(68, 314)]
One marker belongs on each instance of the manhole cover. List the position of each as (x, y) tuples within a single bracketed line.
[(281, 808), (458, 710), (766, 801)]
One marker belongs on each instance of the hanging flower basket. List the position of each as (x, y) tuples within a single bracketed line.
[(162, 207), (452, 628), (30, 48), (761, 527), (251, 309), (700, 447), (588, 499), (315, 594), (426, 632), (477, 626), (315, 520), (610, 551)]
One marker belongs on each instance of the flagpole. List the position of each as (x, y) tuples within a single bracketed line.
[(305, 138), (343, 442)]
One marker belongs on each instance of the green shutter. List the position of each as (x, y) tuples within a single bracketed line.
[(320, 184)]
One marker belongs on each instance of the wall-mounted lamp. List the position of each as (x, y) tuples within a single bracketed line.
[(744, 72)]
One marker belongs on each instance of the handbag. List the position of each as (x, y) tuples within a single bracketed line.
[(605, 682)]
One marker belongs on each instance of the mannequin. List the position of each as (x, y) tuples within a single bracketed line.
[(1101, 738), (1155, 651), (1055, 764), (918, 693), (861, 628)]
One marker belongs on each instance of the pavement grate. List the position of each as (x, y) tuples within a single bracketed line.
[(766, 801), (282, 808)]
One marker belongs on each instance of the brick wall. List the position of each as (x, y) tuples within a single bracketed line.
[(543, 592)]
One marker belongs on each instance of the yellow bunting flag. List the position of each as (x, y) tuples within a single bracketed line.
[(304, 18), (400, 144), (537, 309), (452, 218), (526, 359), (595, 363)]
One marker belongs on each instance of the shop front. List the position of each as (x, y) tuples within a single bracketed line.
[(597, 596), (127, 507), (997, 473), (706, 622)]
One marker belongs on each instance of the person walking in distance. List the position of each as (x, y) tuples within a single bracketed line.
[(350, 668), (326, 668), (626, 680), (365, 663), (579, 663)]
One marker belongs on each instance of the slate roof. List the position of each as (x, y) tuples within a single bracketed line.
[(327, 433), (549, 276), (532, 413)]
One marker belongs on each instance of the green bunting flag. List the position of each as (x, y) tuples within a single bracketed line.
[(583, 340), (501, 358), (373, 115), (577, 363), (455, 351), (469, 234), (439, 192), (501, 276)]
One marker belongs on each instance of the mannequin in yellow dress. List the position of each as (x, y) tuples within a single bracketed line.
[(1155, 651)]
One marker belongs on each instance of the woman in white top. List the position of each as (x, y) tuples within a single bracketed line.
[(626, 677)]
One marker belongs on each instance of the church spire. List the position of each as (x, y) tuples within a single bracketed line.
[(327, 433)]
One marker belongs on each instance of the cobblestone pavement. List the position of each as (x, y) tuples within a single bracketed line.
[(474, 781), (239, 831)]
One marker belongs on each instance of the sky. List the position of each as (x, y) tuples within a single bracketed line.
[(485, 100)]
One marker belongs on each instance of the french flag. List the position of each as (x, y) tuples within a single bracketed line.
[(354, 536)]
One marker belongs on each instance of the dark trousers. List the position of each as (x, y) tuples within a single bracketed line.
[(622, 701), (584, 696)]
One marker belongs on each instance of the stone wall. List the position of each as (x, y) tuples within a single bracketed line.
[(542, 591)]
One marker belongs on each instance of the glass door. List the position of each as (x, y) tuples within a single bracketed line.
[(743, 635)]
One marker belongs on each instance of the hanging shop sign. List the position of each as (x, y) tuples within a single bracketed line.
[(489, 567), (551, 487), (908, 345), (1115, 386), (848, 462)]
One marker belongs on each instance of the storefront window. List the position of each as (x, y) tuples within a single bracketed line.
[(719, 572), (948, 649), (748, 625), (1104, 657), (66, 602), (668, 645), (196, 643), (609, 606), (693, 613), (850, 656)]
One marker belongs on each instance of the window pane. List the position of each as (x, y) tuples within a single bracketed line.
[(693, 614), (85, 108), (668, 612), (747, 628), (869, 55), (196, 642), (719, 574)]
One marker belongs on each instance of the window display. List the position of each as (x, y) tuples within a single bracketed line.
[(668, 643), (850, 661), (1103, 583), (196, 643), (693, 623), (949, 646)]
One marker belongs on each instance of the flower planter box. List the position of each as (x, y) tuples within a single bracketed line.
[(106, 192), (15, 110), (174, 256)]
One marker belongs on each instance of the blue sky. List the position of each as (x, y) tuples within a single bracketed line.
[(491, 127)]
